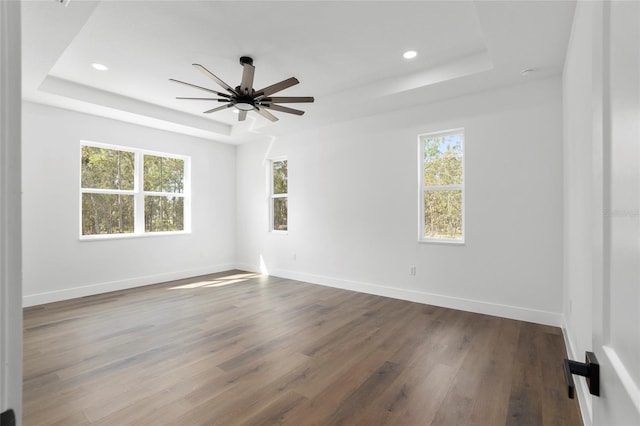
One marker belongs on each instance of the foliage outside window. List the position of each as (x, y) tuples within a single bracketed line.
[(442, 186), (128, 191), (279, 195), (163, 194)]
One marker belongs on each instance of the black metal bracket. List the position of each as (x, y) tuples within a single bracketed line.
[(8, 418), (246, 60), (589, 369)]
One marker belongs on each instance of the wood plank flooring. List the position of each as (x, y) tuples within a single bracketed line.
[(238, 348)]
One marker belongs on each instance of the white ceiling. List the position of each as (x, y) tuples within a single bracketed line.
[(347, 54)]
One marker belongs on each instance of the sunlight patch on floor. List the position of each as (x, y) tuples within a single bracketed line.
[(218, 282)]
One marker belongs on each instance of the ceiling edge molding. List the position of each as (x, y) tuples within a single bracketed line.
[(111, 105)]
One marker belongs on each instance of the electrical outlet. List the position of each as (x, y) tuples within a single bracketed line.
[(412, 270)]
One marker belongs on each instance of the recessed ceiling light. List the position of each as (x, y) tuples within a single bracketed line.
[(410, 54), (100, 67)]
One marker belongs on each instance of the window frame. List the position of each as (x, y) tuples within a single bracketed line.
[(273, 196), (138, 193), (423, 189)]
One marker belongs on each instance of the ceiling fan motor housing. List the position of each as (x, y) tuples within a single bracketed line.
[(244, 103)]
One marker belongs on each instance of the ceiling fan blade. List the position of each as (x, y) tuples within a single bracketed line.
[(204, 99), (246, 86), (213, 77), (200, 87), (266, 114), (284, 84), (288, 99), (282, 109), (242, 115), (220, 108)]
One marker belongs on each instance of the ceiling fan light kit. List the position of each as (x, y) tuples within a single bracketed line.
[(245, 98)]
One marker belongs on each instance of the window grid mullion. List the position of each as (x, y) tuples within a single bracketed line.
[(163, 194), (107, 191), (139, 196), (443, 187)]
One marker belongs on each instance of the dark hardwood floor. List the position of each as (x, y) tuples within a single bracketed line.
[(238, 348)]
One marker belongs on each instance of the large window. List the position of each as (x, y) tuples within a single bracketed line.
[(279, 195), (442, 186), (127, 191)]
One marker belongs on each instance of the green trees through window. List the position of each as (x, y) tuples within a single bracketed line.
[(164, 212), (109, 211), (442, 186), (279, 195), (116, 183)]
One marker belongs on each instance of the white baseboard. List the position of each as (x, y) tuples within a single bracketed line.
[(106, 287), (503, 311), (584, 397)]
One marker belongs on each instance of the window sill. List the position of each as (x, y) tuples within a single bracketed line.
[(445, 242), (279, 232), (108, 237)]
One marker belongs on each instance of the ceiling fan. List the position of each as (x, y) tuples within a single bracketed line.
[(244, 98)]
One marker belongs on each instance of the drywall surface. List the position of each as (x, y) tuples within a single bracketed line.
[(580, 193), (58, 265), (354, 205)]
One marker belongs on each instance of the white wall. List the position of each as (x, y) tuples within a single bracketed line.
[(580, 141), (57, 265), (353, 205)]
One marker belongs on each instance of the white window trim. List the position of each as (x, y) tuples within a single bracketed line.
[(273, 196), (423, 188), (137, 192)]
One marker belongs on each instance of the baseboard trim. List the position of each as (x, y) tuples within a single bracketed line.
[(584, 397), (106, 287), (503, 311)]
